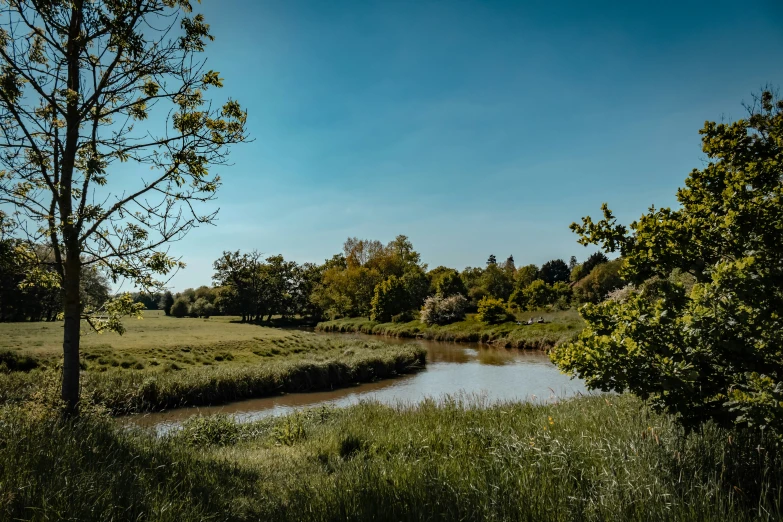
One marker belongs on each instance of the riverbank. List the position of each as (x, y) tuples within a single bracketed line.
[(170, 363), (558, 327), (592, 458)]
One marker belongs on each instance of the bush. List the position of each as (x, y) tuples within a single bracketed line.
[(491, 311), (180, 307), (202, 308), (439, 310)]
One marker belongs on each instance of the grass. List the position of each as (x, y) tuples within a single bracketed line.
[(559, 327), (592, 458), (163, 362)]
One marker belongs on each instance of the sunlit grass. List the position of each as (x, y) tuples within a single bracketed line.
[(163, 362), (558, 327)]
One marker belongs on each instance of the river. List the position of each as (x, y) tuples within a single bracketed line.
[(493, 374)]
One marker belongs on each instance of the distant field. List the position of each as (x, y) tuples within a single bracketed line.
[(559, 326), (164, 362)]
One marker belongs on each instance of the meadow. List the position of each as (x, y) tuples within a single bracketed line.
[(559, 326), (590, 458), (163, 362)]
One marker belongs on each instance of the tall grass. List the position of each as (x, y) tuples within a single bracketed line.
[(593, 458), (560, 327), (308, 363)]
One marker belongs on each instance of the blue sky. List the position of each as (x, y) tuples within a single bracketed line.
[(474, 128)]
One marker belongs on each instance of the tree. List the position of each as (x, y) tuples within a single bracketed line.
[(497, 282), (509, 266), (180, 308), (165, 302), (77, 77), (390, 299), (450, 284), (714, 350), (554, 271), (595, 259), (525, 275), (241, 274), (492, 260)]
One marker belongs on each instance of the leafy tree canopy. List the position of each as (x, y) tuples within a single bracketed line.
[(714, 350)]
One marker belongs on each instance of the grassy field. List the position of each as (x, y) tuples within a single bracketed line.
[(559, 327), (162, 362), (592, 458)]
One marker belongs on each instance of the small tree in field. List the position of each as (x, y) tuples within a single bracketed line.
[(709, 346), (77, 80)]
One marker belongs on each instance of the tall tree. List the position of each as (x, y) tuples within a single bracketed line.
[(77, 77)]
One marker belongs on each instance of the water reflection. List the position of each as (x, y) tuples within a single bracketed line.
[(497, 374)]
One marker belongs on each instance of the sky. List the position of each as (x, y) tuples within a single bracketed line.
[(472, 127)]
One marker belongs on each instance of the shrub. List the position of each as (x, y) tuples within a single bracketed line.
[(491, 311), (439, 310), (202, 308), (180, 307)]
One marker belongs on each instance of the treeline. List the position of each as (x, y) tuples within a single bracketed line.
[(386, 282)]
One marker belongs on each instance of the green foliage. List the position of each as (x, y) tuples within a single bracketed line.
[(491, 311), (449, 283), (497, 282), (593, 261), (180, 308), (525, 275), (348, 288), (599, 282), (553, 271), (201, 308), (165, 302), (714, 350), (391, 298), (539, 294)]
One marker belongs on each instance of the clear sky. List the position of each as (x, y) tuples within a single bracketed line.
[(474, 128)]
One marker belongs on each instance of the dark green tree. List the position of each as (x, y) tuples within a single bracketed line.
[(165, 302), (553, 271)]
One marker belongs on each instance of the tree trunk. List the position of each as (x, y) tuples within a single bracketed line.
[(70, 389)]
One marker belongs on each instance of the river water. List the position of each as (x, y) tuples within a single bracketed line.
[(490, 373)]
